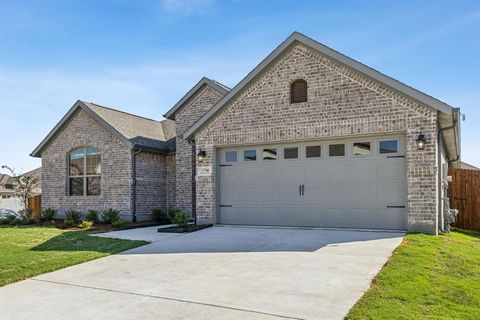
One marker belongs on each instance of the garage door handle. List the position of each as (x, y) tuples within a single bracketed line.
[(300, 190), (303, 189), (395, 206)]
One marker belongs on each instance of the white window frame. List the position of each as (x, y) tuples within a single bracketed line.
[(85, 175)]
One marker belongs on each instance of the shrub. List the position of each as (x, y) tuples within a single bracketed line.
[(49, 214), (68, 223), (73, 215), (171, 213), (4, 221), (92, 215), (181, 219), (160, 216), (16, 221), (85, 224), (26, 213), (32, 220), (119, 224), (111, 215)]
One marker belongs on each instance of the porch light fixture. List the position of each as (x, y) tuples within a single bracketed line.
[(201, 155), (420, 141)]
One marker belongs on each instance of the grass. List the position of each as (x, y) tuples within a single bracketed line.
[(29, 251), (427, 277)]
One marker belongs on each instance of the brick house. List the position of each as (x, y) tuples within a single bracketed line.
[(309, 137)]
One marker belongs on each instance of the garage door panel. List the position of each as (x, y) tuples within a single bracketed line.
[(346, 192), (390, 168), (322, 217), (391, 193)]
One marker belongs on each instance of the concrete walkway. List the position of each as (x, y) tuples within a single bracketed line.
[(216, 273)]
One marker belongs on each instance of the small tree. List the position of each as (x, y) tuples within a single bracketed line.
[(24, 187)]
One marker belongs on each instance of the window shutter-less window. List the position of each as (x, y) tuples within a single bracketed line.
[(298, 91)]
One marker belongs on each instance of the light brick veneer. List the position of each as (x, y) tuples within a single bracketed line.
[(190, 113), (83, 131), (341, 102)]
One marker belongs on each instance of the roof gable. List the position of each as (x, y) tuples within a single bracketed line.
[(296, 38), (217, 86), (134, 131)]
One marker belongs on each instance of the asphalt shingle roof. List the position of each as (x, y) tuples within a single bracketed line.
[(141, 131)]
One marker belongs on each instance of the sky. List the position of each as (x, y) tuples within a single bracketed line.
[(143, 56)]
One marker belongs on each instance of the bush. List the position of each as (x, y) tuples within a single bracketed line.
[(158, 215), (32, 220), (68, 223), (26, 213), (85, 224), (181, 219), (119, 224), (4, 221), (111, 215), (73, 215), (49, 214), (171, 213), (92, 216), (16, 221)]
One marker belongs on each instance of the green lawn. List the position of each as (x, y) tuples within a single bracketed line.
[(427, 277), (29, 251)]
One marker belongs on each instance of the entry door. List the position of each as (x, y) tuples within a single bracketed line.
[(356, 183)]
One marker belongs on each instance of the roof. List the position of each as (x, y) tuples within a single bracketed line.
[(465, 165), (298, 38), (5, 179), (217, 86), (133, 130)]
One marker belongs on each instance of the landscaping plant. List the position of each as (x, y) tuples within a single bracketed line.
[(119, 224), (85, 224), (110, 216), (171, 213), (92, 216), (49, 214), (181, 219), (73, 215), (159, 216)]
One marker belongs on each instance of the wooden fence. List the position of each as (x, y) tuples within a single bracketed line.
[(464, 194), (35, 203)]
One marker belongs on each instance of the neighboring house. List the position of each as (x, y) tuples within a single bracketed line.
[(310, 137), (465, 165), (7, 183)]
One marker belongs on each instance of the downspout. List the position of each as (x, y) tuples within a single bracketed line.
[(134, 183), (194, 182), (445, 208)]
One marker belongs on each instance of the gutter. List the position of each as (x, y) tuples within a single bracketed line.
[(453, 126), (134, 183)]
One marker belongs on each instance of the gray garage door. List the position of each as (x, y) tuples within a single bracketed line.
[(356, 183)]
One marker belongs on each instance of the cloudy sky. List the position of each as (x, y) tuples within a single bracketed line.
[(142, 56)]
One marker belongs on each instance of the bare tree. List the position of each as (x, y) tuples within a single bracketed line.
[(24, 187)]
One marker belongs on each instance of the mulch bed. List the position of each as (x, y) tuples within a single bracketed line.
[(100, 226), (188, 229)]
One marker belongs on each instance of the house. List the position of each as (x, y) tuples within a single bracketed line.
[(7, 184), (310, 137), (465, 165)]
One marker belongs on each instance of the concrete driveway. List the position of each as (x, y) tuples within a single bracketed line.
[(216, 273)]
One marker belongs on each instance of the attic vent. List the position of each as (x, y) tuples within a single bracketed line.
[(298, 91)]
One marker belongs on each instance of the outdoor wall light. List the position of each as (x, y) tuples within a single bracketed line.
[(421, 141), (201, 155)]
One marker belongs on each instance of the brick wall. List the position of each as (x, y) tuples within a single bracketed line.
[(151, 188), (116, 159), (190, 113), (340, 103)]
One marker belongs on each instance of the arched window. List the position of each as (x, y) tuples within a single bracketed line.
[(84, 172), (298, 91)]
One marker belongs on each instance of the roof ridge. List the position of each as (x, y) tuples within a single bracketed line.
[(121, 111), (220, 84)]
